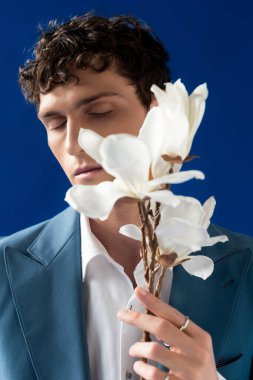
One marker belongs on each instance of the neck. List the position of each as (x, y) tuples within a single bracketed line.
[(122, 249)]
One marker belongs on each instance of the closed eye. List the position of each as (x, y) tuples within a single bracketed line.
[(99, 115), (59, 127)]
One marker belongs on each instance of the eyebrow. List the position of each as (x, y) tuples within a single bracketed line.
[(79, 103)]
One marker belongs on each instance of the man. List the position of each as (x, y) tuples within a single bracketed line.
[(58, 312)]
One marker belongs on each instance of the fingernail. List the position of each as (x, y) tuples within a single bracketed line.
[(143, 292), (122, 313), (131, 350)]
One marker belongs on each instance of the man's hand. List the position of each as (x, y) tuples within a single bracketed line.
[(190, 356)]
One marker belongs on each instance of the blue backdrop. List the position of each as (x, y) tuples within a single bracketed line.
[(209, 41)]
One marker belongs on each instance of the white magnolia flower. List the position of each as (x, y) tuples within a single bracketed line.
[(128, 159), (181, 231), (170, 127)]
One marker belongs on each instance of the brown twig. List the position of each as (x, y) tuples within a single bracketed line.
[(144, 244), (159, 282), (149, 221)]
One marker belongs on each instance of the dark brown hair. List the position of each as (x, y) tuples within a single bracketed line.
[(97, 43)]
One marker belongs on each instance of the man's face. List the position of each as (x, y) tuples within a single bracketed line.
[(103, 102)]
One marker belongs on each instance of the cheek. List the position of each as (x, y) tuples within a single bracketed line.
[(65, 164), (54, 145), (57, 152), (54, 150), (137, 124)]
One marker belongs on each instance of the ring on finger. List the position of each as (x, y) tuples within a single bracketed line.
[(185, 324)]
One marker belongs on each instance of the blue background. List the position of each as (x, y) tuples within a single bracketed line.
[(209, 41)]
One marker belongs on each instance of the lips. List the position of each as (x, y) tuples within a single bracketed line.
[(86, 169)]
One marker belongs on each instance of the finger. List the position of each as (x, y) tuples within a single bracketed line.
[(156, 352), (150, 372), (165, 311), (159, 327)]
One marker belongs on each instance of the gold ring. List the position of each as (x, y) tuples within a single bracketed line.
[(185, 324)]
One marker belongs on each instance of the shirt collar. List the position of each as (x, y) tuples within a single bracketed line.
[(92, 247)]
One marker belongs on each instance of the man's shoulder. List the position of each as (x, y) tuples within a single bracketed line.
[(239, 246), (23, 238), (236, 240)]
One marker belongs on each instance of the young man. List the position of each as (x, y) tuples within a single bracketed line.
[(63, 281)]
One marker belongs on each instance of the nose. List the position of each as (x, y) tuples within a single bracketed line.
[(71, 138)]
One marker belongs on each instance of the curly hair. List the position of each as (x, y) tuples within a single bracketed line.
[(96, 43)]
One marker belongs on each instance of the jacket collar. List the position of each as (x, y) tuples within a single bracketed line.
[(47, 292), (54, 236)]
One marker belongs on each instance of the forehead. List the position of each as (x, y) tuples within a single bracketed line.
[(86, 86)]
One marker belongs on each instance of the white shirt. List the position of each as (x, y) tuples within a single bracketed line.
[(107, 289)]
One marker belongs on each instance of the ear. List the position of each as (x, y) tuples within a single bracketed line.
[(153, 102)]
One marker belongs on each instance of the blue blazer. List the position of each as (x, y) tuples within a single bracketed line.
[(42, 316)]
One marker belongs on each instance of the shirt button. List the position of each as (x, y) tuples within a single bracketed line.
[(129, 375)]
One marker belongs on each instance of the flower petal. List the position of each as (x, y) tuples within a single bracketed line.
[(90, 142), (216, 239), (171, 119), (180, 234), (152, 133), (173, 96), (164, 131), (127, 158), (189, 209), (131, 231), (161, 96), (165, 197), (197, 109), (183, 176), (177, 130), (173, 178), (208, 207), (156, 183), (181, 94), (94, 201), (200, 266)]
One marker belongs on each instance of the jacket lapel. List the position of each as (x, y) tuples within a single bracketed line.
[(211, 303), (46, 289)]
